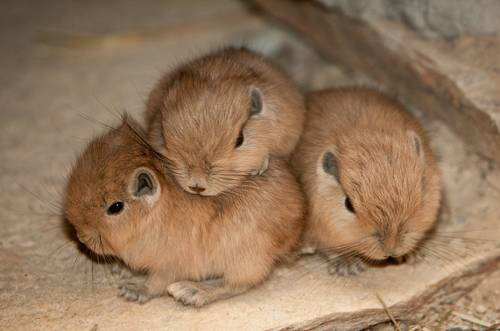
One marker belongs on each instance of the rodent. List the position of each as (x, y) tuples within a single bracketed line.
[(219, 118), (370, 177), (122, 203)]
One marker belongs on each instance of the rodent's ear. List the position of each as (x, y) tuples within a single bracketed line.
[(330, 165), (417, 143), (256, 103), (144, 185)]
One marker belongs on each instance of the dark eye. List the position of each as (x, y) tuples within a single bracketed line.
[(348, 205), (115, 208), (239, 140)]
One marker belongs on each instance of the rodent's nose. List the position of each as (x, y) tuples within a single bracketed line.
[(197, 189)]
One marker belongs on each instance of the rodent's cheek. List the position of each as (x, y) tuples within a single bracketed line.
[(178, 167), (113, 244), (329, 207), (182, 178), (334, 199), (107, 248), (116, 232), (371, 249)]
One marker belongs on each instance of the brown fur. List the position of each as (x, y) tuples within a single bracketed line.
[(181, 239), (395, 190), (200, 109)]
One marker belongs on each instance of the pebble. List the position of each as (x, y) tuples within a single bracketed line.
[(481, 309)]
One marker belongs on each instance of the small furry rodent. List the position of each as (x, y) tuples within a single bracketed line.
[(122, 202), (222, 116), (370, 177)]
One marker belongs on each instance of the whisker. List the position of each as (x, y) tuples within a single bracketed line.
[(50, 255), (58, 207), (94, 120)]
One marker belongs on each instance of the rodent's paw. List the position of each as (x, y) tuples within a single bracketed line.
[(262, 169), (134, 291), (346, 266), (121, 271), (188, 293)]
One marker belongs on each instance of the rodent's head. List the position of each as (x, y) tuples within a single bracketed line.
[(215, 135), (378, 198), (112, 189), (223, 115)]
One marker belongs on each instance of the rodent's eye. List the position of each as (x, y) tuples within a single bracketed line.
[(115, 208), (348, 205), (239, 140)]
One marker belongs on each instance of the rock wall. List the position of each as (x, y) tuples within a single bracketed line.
[(431, 18)]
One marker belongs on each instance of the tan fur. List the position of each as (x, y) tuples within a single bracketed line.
[(200, 109), (178, 237), (394, 191)]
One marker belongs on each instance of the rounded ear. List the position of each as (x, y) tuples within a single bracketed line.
[(144, 185), (256, 102), (416, 142), (329, 165)]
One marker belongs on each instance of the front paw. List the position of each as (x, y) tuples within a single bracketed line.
[(188, 293), (121, 271), (134, 292), (262, 169), (346, 266)]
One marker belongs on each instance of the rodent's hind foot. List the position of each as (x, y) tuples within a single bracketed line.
[(201, 293), (134, 292), (346, 266), (188, 293)]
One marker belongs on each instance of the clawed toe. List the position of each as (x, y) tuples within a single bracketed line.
[(121, 271), (188, 293), (134, 292), (264, 167)]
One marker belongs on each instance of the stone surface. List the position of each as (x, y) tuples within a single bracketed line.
[(56, 88), (432, 75), (443, 18)]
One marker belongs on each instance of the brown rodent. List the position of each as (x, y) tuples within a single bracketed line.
[(222, 116), (198, 249), (370, 177)]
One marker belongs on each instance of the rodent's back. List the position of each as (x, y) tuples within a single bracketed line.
[(350, 118), (347, 112), (379, 158)]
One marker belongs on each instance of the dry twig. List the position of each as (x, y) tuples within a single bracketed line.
[(471, 319), (389, 314)]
